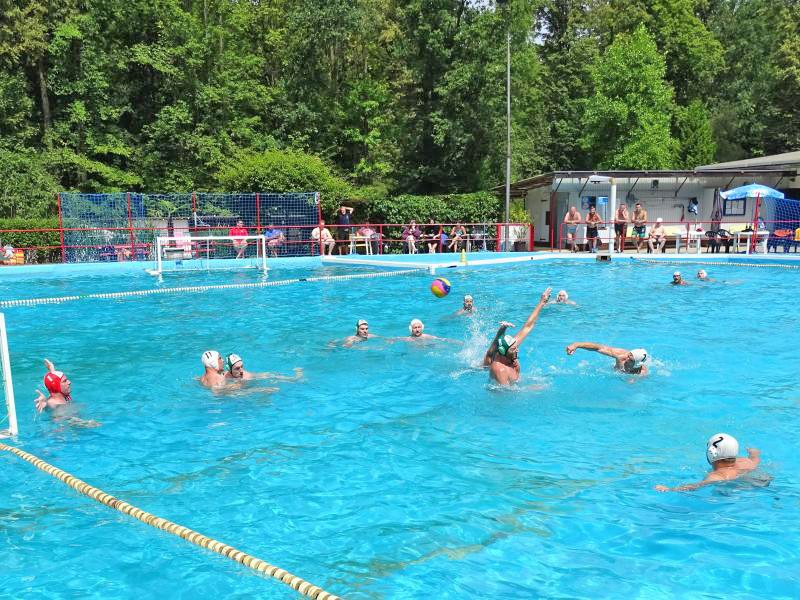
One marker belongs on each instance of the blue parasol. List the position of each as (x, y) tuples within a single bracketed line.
[(753, 190)]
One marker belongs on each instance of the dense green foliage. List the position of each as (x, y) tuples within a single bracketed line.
[(29, 237), (407, 97)]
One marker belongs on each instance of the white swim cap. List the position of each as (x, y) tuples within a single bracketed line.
[(659, 220), (231, 360), (210, 359), (721, 446), (676, 274), (639, 355), (566, 295), (467, 297), (415, 322)]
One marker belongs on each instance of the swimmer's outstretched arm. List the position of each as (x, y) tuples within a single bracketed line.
[(688, 487), (487, 360), (533, 317), (40, 401), (50, 366), (298, 375), (602, 349)]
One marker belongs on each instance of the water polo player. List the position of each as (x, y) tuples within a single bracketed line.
[(627, 361)]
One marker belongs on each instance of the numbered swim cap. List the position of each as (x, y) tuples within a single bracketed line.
[(210, 359), (231, 360), (639, 355), (721, 446), (52, 381), (504, 343)]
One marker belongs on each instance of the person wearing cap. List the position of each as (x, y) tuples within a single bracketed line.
[(677, 279), (468, 308), (502, 357), (702, 275), (214, 374), (235, 372), (721, 453), (627, 361), (362, 334), (59, 387), (658, 236), (562, 297), (416, 329)]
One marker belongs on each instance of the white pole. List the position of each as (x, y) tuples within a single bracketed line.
[(8, 385), (612, 209), (508, 128)]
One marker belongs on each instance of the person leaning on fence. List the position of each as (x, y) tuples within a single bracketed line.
[(238, 233), (639, 225), (621, 226), (322, 235), (593, 221), (571, 220)]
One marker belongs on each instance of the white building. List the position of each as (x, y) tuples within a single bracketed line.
[(664, 194)]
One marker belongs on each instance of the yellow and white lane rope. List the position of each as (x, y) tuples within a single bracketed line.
[(200, 288), (198, 539)]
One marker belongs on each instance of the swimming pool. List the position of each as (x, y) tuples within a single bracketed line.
[(394, 470)]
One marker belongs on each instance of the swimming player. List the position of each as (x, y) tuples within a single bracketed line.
[(59, 387), (721, 451), (703, 276), (362, 334), (214, 369), (502, 357), (627, 361), (468, 307), (562, 297), (235, 371), (416, 329), (677, 279)]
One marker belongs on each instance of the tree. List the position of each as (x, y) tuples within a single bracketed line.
[(695, 135), (627, 120)]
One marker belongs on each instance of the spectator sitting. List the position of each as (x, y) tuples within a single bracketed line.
[(367, 232), (658, 236), (410, 235), (457, 235), (8, 255), (275, 239), (433, 236), (238, 232), (323, 235)]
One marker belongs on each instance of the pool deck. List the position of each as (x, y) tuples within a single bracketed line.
[(421, 261)]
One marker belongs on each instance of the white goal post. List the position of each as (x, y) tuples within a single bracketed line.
[(8, 386), (209, 252)]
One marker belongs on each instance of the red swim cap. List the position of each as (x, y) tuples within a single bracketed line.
[(52, 381)]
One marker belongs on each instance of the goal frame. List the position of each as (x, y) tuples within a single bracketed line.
[(188, 244)]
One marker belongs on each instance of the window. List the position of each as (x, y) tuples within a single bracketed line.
[(734, 208)]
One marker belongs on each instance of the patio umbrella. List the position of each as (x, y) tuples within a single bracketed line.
[(716, 210), (753, 190)]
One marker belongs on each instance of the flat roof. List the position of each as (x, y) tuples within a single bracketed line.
[(787, 159), (518, 188)]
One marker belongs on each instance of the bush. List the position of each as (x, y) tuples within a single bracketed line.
[(477, 207), (30, 239), (285, 171)]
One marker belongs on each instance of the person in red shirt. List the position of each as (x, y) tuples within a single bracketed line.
[(239, 244)]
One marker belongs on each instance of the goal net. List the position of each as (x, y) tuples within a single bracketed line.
[(211, 252)]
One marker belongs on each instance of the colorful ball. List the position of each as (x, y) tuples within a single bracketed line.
[(440, 287)]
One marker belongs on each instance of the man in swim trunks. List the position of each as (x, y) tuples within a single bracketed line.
[(239, 244), (572, 219), (214, 375), (362, 334), (502, 357), (468, 307), (236, 372), (626, 361), (621, 226), (721, 453), (59, 387), (677, 279), (639, 225), (592, 222)]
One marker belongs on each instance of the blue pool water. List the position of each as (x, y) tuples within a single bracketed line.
[(395, 470)]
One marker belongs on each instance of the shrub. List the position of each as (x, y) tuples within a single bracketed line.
[(25, 238)]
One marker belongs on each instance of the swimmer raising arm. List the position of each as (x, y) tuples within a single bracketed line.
[(627, 361)]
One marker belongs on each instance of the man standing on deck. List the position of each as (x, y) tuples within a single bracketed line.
[(571, 220), (639, 225), (502, 357)]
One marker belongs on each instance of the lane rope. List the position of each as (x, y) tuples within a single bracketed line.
[(719, 264), (198, 539), (201, 288)]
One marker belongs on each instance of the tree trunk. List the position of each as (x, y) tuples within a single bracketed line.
[(46, 121)]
